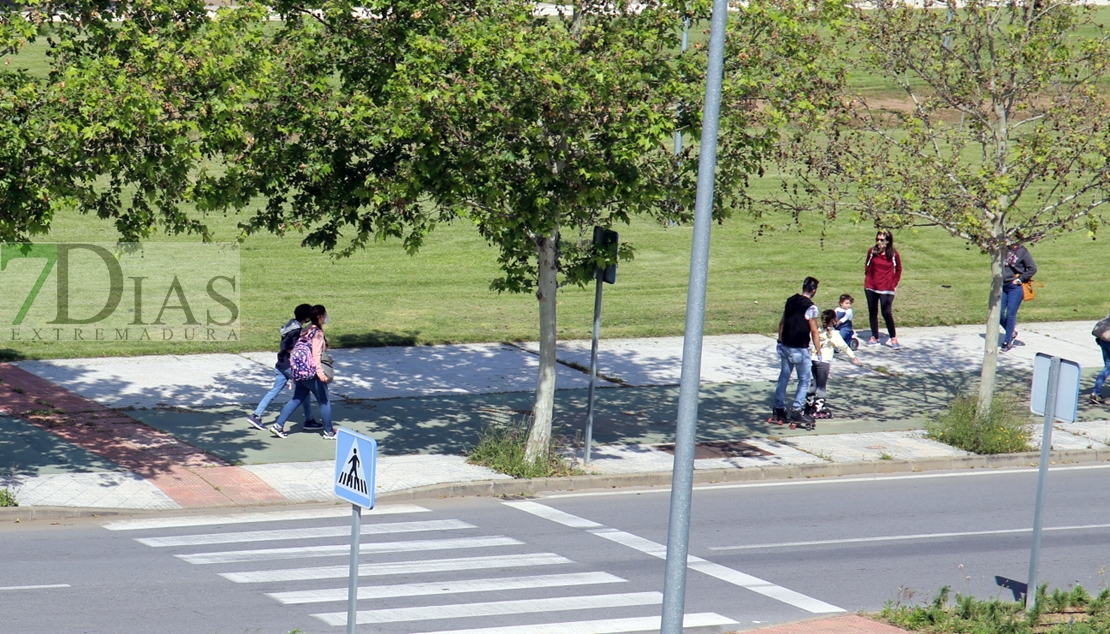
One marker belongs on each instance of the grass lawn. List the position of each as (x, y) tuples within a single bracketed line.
[(383, 296)]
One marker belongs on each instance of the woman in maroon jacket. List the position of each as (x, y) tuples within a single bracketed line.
[(880, 283)]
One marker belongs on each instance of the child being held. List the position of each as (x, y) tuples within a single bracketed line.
[(844, 319), (830, 340)]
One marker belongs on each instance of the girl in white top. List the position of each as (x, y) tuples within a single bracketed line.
[(830, 340)]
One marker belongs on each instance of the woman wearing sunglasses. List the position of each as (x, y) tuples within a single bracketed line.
[(880, 283)]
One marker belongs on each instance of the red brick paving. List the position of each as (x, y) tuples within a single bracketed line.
[(847, 624), (188, 475)]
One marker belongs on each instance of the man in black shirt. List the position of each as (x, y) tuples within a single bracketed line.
[(797, 328)]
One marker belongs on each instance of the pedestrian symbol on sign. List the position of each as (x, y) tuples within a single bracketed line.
[(355, 461)]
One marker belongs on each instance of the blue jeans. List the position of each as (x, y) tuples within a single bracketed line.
[(1101, 378), (847, 333), (317, 388), (281, 377), (791, 359), (1012, 296)]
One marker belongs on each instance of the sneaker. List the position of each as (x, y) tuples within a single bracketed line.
[(1006, 347), (329, 435), (798, 416), (894, 345), (313, 424), (278, 431), (873, 341), (256, 421), (1097, 400)]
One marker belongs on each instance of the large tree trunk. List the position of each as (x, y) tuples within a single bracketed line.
[(539, 439), (990, 348)]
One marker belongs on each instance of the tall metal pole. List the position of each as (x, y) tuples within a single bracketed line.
[(352, 583), (1038, 508), (593, 369), (678, 530)]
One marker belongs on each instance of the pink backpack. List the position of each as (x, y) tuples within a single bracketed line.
[(301, 365)]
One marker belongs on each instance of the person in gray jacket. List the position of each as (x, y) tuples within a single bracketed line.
[(1017, 268)]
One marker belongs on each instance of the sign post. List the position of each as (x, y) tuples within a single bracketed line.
[(356, 459), (606, 239), (1055, 394)]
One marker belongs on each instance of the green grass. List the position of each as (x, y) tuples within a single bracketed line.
[(1072, 611), (382, 296), (501, 447)]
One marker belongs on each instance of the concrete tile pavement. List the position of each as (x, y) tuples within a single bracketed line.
[(149, 468)]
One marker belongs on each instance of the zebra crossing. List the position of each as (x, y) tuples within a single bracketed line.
[(426, 573)]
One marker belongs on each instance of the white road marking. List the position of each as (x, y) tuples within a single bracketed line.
[(555, 515), (495, 608), (302, 533), (345, 549), (449, 587), (891, 538), (607, 626), (398, 568), (42, 587), (260, 516), (736, 578), (829, 480), (717, 571)]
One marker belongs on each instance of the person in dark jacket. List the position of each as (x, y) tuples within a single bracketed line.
[(1017, 268), (289, 334), (797, 328), (881, 275)]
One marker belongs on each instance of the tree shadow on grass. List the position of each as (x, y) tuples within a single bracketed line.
[(375, 339)]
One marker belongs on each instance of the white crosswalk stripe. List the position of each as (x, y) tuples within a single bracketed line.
[(302, 533), (259, 516), (606, 626), (418, 599), (398, 568), (495, 608), (344, 549), (450, 587)]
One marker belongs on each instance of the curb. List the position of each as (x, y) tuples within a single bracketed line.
[(533, 486), (18, 514)]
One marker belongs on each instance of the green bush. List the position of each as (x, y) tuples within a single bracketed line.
[(501, 448), (7, 497), (1061, 612), (1003, 429)]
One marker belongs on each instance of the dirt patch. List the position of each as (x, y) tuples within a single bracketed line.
[(721, 449)]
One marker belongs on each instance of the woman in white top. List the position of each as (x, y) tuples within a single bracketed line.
[(830, 340)]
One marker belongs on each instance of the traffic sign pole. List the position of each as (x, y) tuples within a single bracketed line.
[(1038, 508), (352, 583)]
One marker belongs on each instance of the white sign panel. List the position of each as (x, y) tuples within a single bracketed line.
[(1067, 388), (356, 459)]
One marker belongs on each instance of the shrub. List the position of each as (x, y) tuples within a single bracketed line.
[(501, 448), (7, 497), (1003, 429)]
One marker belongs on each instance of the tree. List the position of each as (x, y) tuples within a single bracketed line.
[(132, 116), (1002, 137)]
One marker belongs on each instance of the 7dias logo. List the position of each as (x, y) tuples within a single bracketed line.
[(81, 292)]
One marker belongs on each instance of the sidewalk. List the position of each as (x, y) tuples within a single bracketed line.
[(165, 432)]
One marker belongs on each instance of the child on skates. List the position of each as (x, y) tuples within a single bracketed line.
[(830, 340)]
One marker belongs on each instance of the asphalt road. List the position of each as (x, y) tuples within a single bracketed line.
[(765, 553)]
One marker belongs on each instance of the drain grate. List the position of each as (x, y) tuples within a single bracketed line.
[(721, 449)]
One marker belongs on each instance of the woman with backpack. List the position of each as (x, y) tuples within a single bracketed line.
[(309, 372)]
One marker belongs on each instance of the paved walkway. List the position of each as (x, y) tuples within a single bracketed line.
[(164, 432)]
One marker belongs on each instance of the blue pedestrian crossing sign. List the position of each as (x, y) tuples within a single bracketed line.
[(356, 460)]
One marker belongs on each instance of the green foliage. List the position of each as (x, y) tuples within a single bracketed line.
[(501, 447), (7, 497), (1003, 429), (1061, 612)]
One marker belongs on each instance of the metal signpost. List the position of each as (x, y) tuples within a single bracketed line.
[(603, 238), (356, 460), (1055, 395), (682, 483)]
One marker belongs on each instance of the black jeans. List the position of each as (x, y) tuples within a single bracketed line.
[(873, 301), (820, 379)]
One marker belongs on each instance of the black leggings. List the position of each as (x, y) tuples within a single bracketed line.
[(887, 301)]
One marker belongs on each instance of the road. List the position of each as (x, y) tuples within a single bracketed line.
[(764, 553)]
